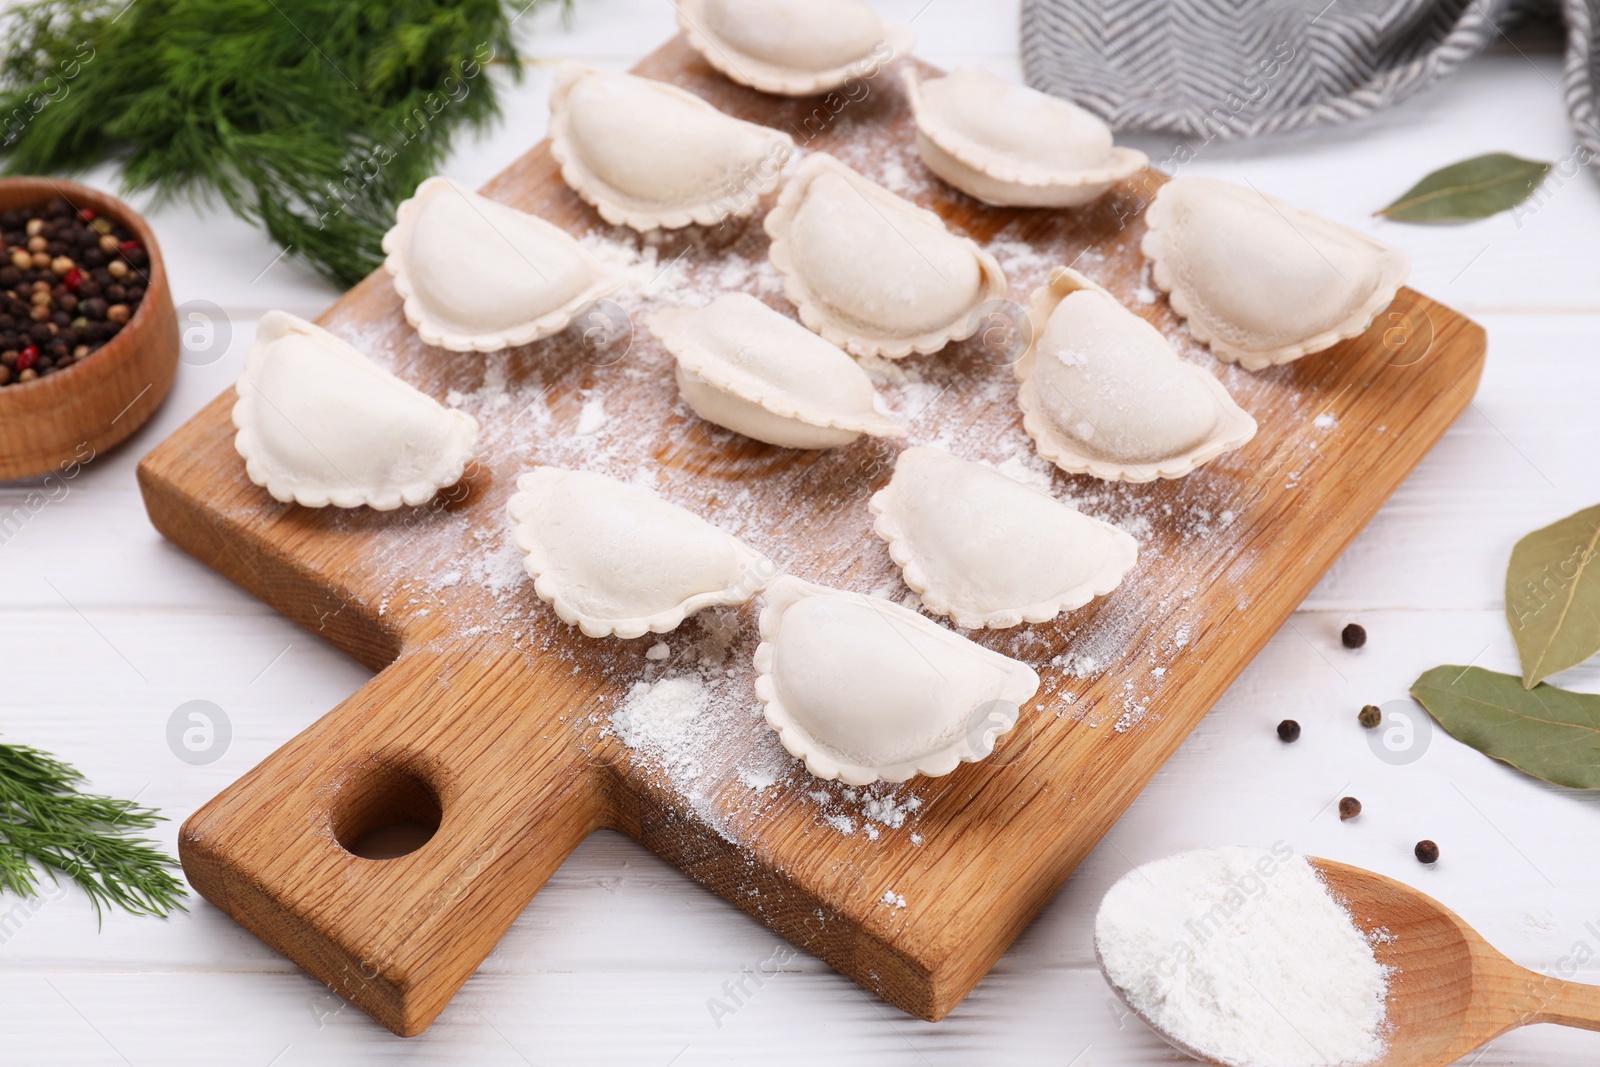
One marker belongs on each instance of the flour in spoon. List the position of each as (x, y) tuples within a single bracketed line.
[(1244, 956)]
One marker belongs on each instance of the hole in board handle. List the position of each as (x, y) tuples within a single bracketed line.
[(385, 812)]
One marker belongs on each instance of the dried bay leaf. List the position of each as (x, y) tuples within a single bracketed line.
[(1471, 189), (1553, 596), (1547, 732)]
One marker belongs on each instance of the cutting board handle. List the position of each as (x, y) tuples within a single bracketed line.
[(427, 741)]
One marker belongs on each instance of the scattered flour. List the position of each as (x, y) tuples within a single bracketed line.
[(1076, 664), (617, 412), (592, 416), (1325, 421), (1022, 258), (1543, 919), (892, 899), (889, 811), (657, 717), (1019, 469), (1244, 956)]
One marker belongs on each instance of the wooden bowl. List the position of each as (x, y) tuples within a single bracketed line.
[(75, 414)]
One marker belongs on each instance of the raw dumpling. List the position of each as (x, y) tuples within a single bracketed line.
[(319, 423), (1262, 282), (989, 551), (612, 558), (871, 272), (650, 155), (757, 372), (1103, 392), (864, 690), (477, 275), (792, 47), (1008, 144)]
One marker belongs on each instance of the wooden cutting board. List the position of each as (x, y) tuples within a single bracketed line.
[(516, 736)]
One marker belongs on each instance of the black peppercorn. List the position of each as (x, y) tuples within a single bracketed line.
[(116, 294), (1353, 635), (55, 265), (1288, 730), (1427, 852), (1349, 808), (1370, 716)]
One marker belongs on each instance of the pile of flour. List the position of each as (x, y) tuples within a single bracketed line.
[(1242, 955)]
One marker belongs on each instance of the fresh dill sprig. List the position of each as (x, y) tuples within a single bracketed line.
[(46, 820), (313, 118)]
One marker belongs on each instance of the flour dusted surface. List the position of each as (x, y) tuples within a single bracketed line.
[(1243, 955), (601, 397)]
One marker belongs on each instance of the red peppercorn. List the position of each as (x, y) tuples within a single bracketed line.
[(127, 246), (72, 279), (27, 357), (86, 214)]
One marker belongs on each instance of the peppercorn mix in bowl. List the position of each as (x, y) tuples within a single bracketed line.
[(88, 333)]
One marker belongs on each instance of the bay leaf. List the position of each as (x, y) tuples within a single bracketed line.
[(1553, 596), (1547, 732), (1471, 189)]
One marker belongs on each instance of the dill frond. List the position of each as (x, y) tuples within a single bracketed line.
[(46, 821), (312, 118)]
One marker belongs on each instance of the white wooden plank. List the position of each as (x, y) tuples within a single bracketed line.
[(1051, 1016)]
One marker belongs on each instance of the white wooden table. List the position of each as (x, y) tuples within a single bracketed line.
[(106, 629)]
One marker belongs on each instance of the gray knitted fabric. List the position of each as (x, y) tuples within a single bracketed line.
[(1238, 68)]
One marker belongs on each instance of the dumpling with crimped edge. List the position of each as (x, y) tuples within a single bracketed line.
[(1007, 144), (612, 558), (871, 272), (1103, 392), (792, 47), (477, 275), (864, 690), (987, 550), (652, 156), (755, 371), (1262, 282), (319, 423)]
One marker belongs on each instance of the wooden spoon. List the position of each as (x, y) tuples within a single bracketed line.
[(1449, 991)]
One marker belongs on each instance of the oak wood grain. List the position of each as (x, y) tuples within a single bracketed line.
[(488, 700)]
